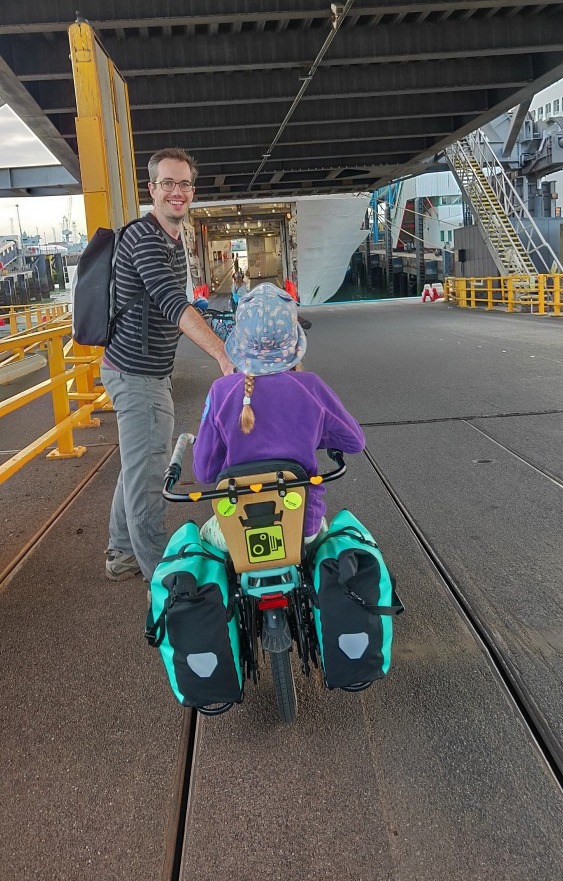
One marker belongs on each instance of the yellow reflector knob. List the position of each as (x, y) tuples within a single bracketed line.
[(225, 508), (292, 501)]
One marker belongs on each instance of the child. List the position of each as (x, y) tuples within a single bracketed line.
[(270, 408)]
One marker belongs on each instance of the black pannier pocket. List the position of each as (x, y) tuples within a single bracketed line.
[(193, 622), (203, 656)]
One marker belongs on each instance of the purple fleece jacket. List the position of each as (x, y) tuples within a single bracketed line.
[(296, 414)]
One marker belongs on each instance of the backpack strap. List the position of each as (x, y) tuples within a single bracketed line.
[(394, 609), (141, 295), (144, 293)]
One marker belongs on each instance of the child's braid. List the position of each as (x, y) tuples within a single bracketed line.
[(247, 415)]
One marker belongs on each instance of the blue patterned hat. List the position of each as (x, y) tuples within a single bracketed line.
[(267, 337)]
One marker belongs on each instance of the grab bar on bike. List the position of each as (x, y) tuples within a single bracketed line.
[(174, 470), (218, 313)]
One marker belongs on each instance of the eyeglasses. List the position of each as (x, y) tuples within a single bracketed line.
[(169, 185)]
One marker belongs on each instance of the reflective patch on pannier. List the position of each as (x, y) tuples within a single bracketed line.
[(203, 664), (353, 644)]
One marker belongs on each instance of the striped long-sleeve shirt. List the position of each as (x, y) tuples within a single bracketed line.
[(148, 259)]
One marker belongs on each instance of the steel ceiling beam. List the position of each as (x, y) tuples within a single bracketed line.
[(44, 180), (219, 54), (27, 17), (343, 110), (278, 86)]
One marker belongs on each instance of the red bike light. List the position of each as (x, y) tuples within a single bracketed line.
[(273, 601)]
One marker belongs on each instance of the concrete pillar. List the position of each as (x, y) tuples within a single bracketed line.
[(419, 244), (389, 250)]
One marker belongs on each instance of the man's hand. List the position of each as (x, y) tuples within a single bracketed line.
[(196, 329), (225, 363)]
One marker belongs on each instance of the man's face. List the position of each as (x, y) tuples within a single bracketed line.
[(173, 206)]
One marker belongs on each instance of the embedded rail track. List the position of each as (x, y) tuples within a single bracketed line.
[(549, 748), (179, 813)]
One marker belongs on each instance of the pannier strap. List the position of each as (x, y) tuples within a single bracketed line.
[(185, 552), (154, 633), (395, 609), (350, 531), (348, 567)]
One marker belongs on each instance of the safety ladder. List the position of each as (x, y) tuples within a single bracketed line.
[(513, 239)]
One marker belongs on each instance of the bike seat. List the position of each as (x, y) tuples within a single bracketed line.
[(263, 529)]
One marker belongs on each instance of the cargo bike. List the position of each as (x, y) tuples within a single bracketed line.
[(217, 617)]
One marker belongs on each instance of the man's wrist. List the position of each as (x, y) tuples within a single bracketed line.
[(225, 363)]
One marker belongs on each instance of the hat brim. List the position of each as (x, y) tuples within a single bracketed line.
[(252, 366)]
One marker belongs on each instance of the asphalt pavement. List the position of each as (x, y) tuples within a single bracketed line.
[(431, 774)]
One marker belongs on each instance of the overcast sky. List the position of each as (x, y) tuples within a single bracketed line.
[(20, 147)]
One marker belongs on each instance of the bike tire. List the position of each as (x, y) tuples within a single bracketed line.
[(284, 686)]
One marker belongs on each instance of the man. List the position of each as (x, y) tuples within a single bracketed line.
[(139, 360)]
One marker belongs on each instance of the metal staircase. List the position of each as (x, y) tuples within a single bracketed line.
[(513, 239)]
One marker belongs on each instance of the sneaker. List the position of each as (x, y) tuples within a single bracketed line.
[(120, 565), (304, 322)]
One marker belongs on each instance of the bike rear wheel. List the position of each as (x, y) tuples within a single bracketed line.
[(284, 686)]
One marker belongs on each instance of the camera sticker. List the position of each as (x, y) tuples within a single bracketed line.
[(265, 544)]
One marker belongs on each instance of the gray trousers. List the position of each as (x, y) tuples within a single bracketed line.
[(145, 421)]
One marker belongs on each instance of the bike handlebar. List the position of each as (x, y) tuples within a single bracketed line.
[(172, 475), (175, 464)]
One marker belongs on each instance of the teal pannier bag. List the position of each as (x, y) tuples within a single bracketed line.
[(354, 602), (193, 621)]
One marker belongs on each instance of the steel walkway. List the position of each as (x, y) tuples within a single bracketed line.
[(449, 769)]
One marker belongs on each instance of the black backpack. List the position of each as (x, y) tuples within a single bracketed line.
[(93, 312)]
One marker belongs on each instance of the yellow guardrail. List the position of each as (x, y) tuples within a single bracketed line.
[(539, 294), (18, 320), (23, 318), (73, 370)]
